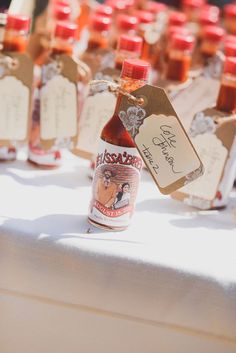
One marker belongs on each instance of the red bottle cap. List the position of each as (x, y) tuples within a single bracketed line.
[(230, 49), (62, 13), (193, 4), (230, 10), (127, 22), (230, 65), (136, 69), (100, 23), (182, 42), (118, 5), (129, 3), (144, 17), (104, 10), (211, 9), (65, 30), (130, 43), (207, 18), (18, 23), (213, 33), (61, 2), (230, 39), (177, 30), (156, 7), (177, 18)]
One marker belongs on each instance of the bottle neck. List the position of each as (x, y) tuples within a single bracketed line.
[(98, 40), (122, 55), (15, 41), (226, 100), (62, 46), (128, 85)]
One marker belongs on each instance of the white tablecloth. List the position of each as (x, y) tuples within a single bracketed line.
[(165, 285)]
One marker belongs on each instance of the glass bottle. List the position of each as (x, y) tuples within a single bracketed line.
[(172, 30), (14, 40), (61, 44), (226, 100), (146, 21), (118, 163), (177, 18), (129, 47), (99, 32), (157, 8), (126, 24), (192, 8), (180, 56), (212, 37), (230, 49), (230, 18), (104, 10)]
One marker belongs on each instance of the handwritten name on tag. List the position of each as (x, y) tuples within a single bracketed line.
[(161, 139), (16, 75)]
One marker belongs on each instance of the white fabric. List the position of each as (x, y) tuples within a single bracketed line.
[(170, 279)]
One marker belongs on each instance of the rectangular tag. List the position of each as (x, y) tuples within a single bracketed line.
[(200, 94), (59, 101), (16, 77), (161, 139), (213, 134), (98, 108)]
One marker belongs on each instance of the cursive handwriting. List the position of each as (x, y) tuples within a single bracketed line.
[(166, 141), (149, 157)]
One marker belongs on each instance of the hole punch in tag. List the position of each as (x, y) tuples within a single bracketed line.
[(161, 139)]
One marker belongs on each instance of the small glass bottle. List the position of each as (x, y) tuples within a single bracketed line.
[(180, 56), (172, 30), (230, 18), (230, 49), (99, 32), (118, 163), (129, 47), (15, 40), (126, 24), (146, 20), (226, 100), (157, 8), (212, 37), (192, 8), (177, 18), (104, 10), (62, 44)]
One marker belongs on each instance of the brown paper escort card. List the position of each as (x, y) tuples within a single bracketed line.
[(213, 134), (199, 95), (161, 139), (16, 77), (98, 108), (59, 102)]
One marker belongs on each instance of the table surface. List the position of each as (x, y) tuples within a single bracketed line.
[(174, 265)]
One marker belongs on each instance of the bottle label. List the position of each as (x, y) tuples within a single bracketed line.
[(115, 185)]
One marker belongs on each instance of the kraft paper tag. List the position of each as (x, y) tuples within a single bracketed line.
[(16, 77), (200, 94), (161, 139), (98, 108), (213, 135), (59, 101)]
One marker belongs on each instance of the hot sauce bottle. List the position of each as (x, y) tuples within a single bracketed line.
[(104, 10), (212, 37), (129, 47), (192, 8), (226, 100), (62, 44), (118, 163), (99, 32), (230, 18), (177, 18), (126, 24), (180, 55), (146, 19), (230, 49), (14, 40)]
